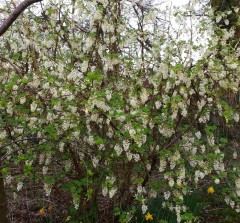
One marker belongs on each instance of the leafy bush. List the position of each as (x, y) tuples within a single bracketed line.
[(116, 110)]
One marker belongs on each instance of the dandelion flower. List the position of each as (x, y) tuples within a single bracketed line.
[(210, 190), (41, 211), (148, 216)]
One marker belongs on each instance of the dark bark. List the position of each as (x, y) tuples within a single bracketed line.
[(15, 14), (3, 202)]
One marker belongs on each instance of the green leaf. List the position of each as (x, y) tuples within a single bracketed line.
[(84, 181), (27, 169), (24, 80), (89, 193), (94, 76), (49, 180)]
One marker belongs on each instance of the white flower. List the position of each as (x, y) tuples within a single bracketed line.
[(184, 112), (112, 192), (108, 95), (129, 156), (9, 179), (203, 148), (210, 100), (61, 146), (139, 189), (136, 157), (46, 86), (217, 181), (232, 204), (19, 130), (236, 10), (132, 132), (97, 15), (19, 186), (171, 182), (3, 134), (148, 166), (158, 104), (226, 21), (134, 102), (144, 208), (238, 193), (125, 145), (118, 149), (76, 202), (235, 155), (201, 175), (84, 66), (95, 162), (198, 135), (218, 18), (104, 191), (22, 100), (162, 165), (44, 170), (9, 109), (211, 140), (237, 182), (144, 96), (47, 189), (167, 195), (33, 106), (227, 200), (233, 65), (236, 117), (50, 116), (15, 87)]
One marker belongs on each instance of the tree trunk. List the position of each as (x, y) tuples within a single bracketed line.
[(3, 202)]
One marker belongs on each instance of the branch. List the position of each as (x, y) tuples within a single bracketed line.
[(15, 14), (12, 64)]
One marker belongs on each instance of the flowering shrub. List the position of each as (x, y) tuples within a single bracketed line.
[(109, 104)]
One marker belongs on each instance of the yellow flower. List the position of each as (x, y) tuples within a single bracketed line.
[(148, 216), (210, 190), (41, 211)]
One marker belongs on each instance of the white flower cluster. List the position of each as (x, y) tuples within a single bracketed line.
[(118, 149), (47, 189), (76, 201), (237, 183), (19, 186)]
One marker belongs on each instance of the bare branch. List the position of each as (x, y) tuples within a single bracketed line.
[(14, 15)]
